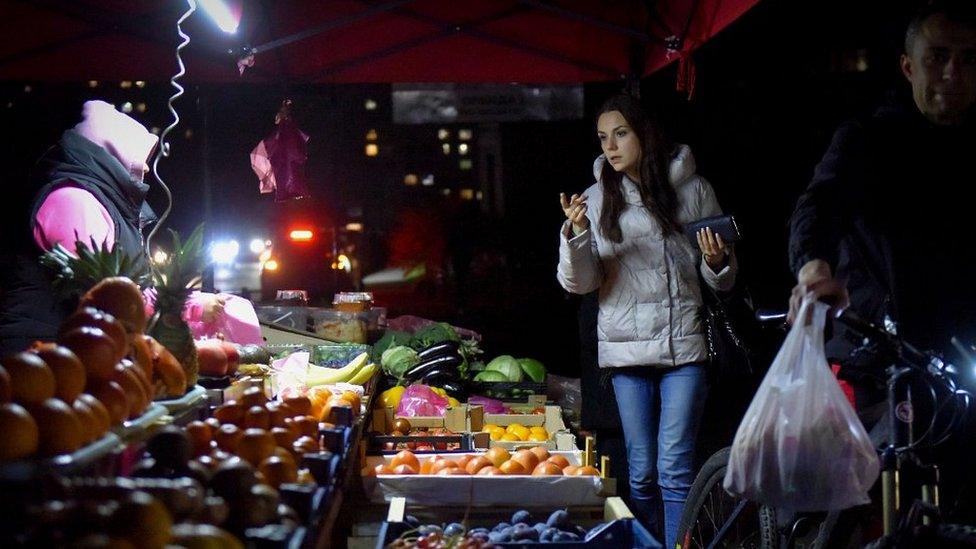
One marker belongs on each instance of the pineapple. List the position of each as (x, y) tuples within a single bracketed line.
[(174, 280), (73, 276)]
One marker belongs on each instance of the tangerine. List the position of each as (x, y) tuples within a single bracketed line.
[(512, 467), (100, 411), (498, 455), (113, 397), (560, 461), (404, 469), (230, 412), (442, 464), (546, 469), (586, 470), (228, 437), (135, 395), (540, 452), (121, 298), (284, 437), (257, 417), (69, 372), (94, 348), (301, 405), (89, 421), (570, 470), (60, 430), (254, 396), (406, 457), (21, 436), (477, 464), (93, 318), (278, 471), (201, 435), (527, 458), (450, 471), (31, 380), (486, 471)]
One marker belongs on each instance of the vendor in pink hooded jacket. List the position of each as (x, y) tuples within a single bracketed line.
[(88, 186)]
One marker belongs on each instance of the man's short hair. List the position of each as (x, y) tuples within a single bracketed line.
[(957, 11)]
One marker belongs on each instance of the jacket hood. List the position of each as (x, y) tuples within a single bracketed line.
[(682, 166), (124, 138)]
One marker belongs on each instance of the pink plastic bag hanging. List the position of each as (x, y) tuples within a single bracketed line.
[(279, 159)]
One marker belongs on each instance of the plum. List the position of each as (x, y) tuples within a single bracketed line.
[(413, 521), (428, 529), (525, 532), (453, 529), (565, 536), (540, 527), (501, 526), (522, 516), (547, 535), (558, 518)]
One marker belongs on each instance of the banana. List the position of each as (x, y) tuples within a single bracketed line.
[(364, 375), (317, 375)]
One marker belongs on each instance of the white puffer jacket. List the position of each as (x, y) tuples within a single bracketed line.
[(650, 297)]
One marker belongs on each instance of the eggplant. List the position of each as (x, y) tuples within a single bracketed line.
[(441, 362), (443, 348), (440, 378), (454, 389)]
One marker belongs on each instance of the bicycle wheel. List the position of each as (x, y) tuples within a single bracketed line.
[(710, 509)]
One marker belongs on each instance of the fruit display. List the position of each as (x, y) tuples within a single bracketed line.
[(516, 432), (537, 461)]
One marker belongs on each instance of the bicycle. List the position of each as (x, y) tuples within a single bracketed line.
[(713, 518)]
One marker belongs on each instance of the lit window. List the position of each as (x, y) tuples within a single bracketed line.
[(446, 192), (140, 83), (354, 227), (478, 195), (372, 149), (465, 164), (141, 107), (270, 265), (188, 134), (28, 89), (410, 179), (93, 83), (126, 107), (463, 148), (428, 180), (464, 135), (446, 147), (443, 134), (154, 130), (125, 84), (371, 135), (467, 194), (370, 105)]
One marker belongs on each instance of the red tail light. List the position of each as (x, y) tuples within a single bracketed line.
[(300, 235)]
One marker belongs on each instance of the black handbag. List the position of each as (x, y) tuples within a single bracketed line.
[(728, 320)]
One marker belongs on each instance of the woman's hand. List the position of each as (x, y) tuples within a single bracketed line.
[(213, 307), (575, 210), (713, 249)]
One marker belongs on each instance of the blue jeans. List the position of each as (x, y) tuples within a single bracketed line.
[(660, 411)]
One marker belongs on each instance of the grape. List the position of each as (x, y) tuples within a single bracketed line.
[(428, 529), (453, 529)]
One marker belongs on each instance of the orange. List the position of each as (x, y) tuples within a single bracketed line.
[(228, 437), (498, 455), (464, 460), (257, 417), (20, 433), (114, 399), (254, 396), (509, 437), (95, 349), (230, 412), (426, 466), (284, 437), (136, 396), (61, 432), (570, 470), (121, 298), (4, 385), (546, 468), (540, 452), (89, 421), (306, 445), (307, 426), (449, 471), (405, 457), (382, 469), (586, 470), (300, 404), (528, 459), (277, 471), (477, 464), (512, 467), (560, 461), (485, 471), (256, 445), (31, 381), (100, 411), (442, 464), (143, 520), (69, 372), (354, 399), (167, 368), (93, 318), (200, 436), (141, 353), (404, 469), (335, 403), (140, 376)]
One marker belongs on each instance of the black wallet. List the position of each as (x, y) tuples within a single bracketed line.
[(722, 225)]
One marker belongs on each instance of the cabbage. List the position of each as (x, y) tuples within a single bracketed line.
[(397, 360), (506, 365)]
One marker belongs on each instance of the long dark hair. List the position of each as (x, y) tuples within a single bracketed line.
[(655, 188)]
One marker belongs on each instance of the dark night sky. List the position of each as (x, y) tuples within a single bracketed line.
[(770, 90)]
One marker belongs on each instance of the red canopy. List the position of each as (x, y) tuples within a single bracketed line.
[(531, 41)]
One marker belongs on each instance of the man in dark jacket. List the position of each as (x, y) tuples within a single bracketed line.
[(883, 225), (884, 212)]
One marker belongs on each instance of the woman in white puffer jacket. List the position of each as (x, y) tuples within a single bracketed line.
[(623, 236)]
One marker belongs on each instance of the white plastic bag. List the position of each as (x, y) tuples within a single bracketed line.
[(800, 445)]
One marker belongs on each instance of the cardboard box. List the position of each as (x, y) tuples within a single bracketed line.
[(455, 419), (559, 436)]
